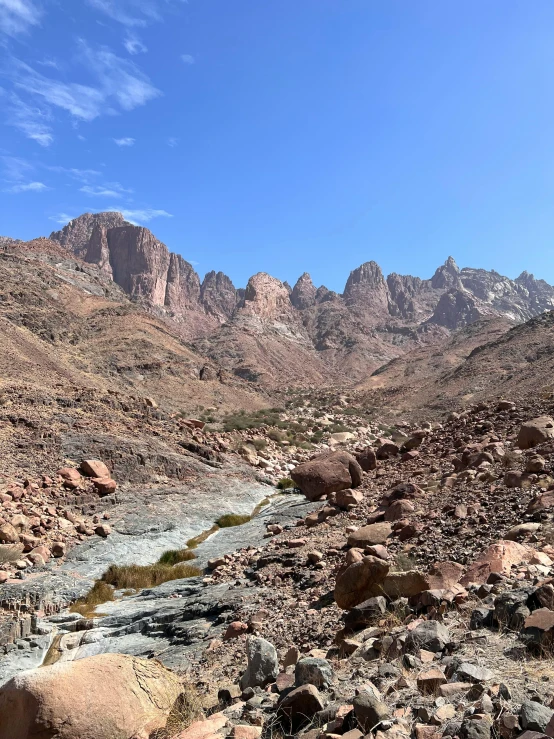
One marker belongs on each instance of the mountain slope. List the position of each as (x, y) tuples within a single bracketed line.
[(489, 359)]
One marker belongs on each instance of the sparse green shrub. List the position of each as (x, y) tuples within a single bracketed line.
[(285, 483), (259, 444), (338, 428), (174, 556), (232, 519)]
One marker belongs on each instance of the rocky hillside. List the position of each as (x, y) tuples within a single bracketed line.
[(485, 359), (411, 598), (272, 334)]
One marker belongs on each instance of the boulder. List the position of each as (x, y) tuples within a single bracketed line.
[(360, 581), (207, 728), (398, 510), (263, 664), (429, 635), (104, 485), (367, 459), (444, 575), (300, 705), (534, 716), (404, 584), (387, 450), (71, 477), (366, 613), (100, 697), (327, 473), (94, 468), (430, 680), (375, 533), (313, 671), (8, 534), (497, 558), (369, 710), (536, 431), (346, 498)]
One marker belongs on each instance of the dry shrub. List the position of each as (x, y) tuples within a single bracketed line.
[(100, 593), (186, 709), (137, 577), (174, 556)]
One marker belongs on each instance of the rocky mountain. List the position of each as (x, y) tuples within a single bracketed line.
[(147, 271), (272, 334)]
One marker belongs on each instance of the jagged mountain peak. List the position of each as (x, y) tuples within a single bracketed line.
[(451, 265), (304, 292)]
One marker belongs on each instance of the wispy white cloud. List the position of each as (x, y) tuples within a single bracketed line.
[(61, 218), (82, 175), (52, 63), (108, 190), (187, 58), (31, 120), (121, 86), (121, 82), (172, 141), (82, 101), (15, 168), (28, 187), (135, 13), (17, 16), (141, 215), (125, 141), (134, 45)]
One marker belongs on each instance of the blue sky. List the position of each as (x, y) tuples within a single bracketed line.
[(287, 135)]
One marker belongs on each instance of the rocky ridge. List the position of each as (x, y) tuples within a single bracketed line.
[(257, 331)]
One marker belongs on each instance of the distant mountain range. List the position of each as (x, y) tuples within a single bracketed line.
[(274, 334)]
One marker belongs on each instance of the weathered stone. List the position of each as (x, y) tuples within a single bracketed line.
[(475, 729), (473, 673), (367, 459), (404, 584), (534, 716), (71, 477), (430, 680), (263, 665), (313, 671), (104, 485), (497, 558), (94, 468), (327, 473), (375, 533), (360, 581), (98, 697), (365, 613), (430, 635), (300, 705), (535, 432), (369, 711), (8, 534), (346, 498)]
